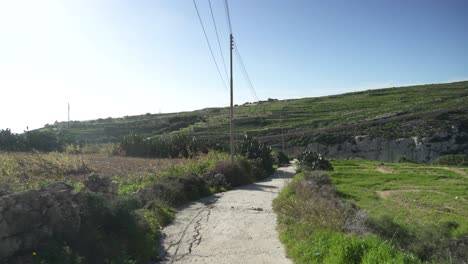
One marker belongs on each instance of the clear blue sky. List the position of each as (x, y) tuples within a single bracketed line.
[(116, 58)]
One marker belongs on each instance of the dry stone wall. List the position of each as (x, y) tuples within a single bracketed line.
[(28, 219)]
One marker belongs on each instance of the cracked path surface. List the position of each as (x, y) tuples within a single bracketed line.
[(237, 226)]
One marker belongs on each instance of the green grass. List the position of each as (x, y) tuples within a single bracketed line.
[(407, 111), (304, 245), (412, 194), (308, 241)]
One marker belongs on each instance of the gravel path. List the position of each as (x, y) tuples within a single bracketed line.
[(238, 226)]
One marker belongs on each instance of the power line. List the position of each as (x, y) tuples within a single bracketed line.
[(209, 46), (246, 74), (241, 62), (219, 43), (228, 16)]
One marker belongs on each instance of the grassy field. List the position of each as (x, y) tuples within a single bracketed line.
[(23, 171), (411, 194), (374, 212), (317, 228), (392, 112)]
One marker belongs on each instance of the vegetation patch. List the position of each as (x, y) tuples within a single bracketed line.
[(389, 113), (317, 227), (309, 160), (452, 160), (125, 226), (427, 205)]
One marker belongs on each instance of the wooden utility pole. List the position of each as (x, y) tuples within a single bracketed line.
[(282, 132), (232, 102), (68, 115)]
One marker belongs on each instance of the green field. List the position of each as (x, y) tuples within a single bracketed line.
[(412, 194), (374, 212), (392, 112)]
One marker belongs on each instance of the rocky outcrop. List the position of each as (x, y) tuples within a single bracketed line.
[(421, 150), (29, 218)]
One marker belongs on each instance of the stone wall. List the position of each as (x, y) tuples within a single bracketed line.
[(421, 150), (28, 219)]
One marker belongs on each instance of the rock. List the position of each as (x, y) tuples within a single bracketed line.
[(103, 185), (421, 150), (216, 180), (58, 186), (4, 192)]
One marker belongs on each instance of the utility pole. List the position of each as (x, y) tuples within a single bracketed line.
[(68, 114), (282, 132), (232, 102)]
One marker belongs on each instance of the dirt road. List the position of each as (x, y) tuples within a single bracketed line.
[(238, 226)]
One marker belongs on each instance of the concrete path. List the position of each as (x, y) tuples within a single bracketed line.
[(238, 226)]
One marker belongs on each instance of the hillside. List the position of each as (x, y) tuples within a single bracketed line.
[(391, 113)]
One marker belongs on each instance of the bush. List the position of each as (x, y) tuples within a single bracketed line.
[(312, 199), (252, 149), (237, 174), (110, 232), (179, 145), (33, 140), (175, 190), (452, 160), (258, 171), (215, 181), (309, 160), (279, 158)]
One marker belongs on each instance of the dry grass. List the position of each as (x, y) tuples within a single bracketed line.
[(312, 200), (383, 169), (388, 193), (118, 166), (22, 171)]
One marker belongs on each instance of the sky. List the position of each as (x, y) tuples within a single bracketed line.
[(111, 58)]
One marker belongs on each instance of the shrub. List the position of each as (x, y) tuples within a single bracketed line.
[(258, 171), (452, 160), (252, 149), (309, 160), (34, 140), (237, 174), (215, 181), (279, 158), (110, 232), (312, 199), (176, 190), (175, 146)]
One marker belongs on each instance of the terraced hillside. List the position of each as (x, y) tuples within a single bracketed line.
[(390, 113)]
